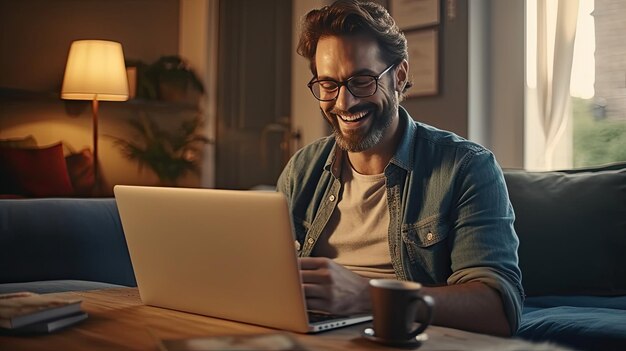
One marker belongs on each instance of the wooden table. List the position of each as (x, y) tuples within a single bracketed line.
[(119, 321)]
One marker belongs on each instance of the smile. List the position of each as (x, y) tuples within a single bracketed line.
[(353, 117)]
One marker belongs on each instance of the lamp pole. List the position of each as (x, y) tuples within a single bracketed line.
[(94, 111)]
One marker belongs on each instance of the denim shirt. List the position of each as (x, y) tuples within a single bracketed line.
[(451, 220)]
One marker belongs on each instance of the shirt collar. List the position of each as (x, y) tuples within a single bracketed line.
[(334, 161), (403, 157)]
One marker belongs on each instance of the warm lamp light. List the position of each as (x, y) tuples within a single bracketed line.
[(95, 71)]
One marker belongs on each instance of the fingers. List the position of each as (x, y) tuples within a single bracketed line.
[(331, 287), (318, 276), (317, 305), (311, 263), (315, 270), (315, 291), (317, 297)]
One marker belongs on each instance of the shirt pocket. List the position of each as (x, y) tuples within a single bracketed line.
[(428, 248), (426, 233)]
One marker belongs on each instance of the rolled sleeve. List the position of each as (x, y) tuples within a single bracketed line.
[(510, 293), (485, 243)]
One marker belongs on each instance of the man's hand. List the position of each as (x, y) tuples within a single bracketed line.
[(332, 288)]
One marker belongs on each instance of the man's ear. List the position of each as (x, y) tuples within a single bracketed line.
[(402, 75)]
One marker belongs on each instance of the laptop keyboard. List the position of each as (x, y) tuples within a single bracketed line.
[(316, 317)]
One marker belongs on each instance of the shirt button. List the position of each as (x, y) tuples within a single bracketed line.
[(429, 236), (331, 198), (311, 240)]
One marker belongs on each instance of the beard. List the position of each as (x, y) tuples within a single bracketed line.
[(357, 140)]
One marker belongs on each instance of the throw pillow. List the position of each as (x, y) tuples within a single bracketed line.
[(40, 172), (7, 188), (572, 230), (80, 169)]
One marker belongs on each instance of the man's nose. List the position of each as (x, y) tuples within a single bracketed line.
[(345, 99)]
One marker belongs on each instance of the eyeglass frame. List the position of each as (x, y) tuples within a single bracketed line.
[(345, 83)]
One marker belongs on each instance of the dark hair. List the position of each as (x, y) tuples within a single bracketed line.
[(352, 17)]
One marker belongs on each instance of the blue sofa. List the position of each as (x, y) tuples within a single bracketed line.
[(571, 225), (572, 231), (62, 244)]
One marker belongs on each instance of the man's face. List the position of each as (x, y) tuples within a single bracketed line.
[(358, 123)]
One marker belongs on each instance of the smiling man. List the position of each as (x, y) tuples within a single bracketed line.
[(388, 197)]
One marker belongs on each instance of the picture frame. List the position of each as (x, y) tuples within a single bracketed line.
[(423, 47), (412, 14)]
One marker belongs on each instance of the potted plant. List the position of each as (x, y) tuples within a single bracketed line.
[(170, 78), (169, 154)]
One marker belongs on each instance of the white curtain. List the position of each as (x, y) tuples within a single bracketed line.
[(555, 49)]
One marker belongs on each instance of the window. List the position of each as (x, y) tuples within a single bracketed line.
[(576, 83)]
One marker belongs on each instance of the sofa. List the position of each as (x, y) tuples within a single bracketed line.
[(572, 230), (571, 226)]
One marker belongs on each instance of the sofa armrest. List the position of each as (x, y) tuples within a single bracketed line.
[(54, 238)]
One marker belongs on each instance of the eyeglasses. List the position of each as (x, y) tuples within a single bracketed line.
[(359, 86)]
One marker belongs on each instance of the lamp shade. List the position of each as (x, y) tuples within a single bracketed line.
[(95, 70)]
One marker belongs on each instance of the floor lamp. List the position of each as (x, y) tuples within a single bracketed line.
[(95, 71)]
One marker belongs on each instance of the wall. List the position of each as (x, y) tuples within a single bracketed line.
[(35, 36), (507, 82), (482, 76), (497, 78), (448, 109), (198, 43), (305, 111)]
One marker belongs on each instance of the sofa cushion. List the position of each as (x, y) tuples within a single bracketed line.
[(614, 302), (584, 328), (572, 230), (37, 172)]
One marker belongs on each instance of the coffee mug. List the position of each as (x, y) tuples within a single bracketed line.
[(394, 307)]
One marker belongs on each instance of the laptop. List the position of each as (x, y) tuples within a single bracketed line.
[(228, 254)]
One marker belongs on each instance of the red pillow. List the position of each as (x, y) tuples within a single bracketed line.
[(80, 169), (40, 172)]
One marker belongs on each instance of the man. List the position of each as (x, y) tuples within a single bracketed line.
[(385, 196)]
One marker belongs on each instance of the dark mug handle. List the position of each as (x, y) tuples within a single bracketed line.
[(429, 303)]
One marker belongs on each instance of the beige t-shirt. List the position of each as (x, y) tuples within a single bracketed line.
[(356, 235)]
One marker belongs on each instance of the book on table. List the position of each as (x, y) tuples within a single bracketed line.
[(51, 325), (25, 308)]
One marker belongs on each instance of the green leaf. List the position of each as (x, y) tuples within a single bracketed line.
[(166, 153)]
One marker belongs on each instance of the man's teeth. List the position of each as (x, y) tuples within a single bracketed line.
[(352, 118)]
